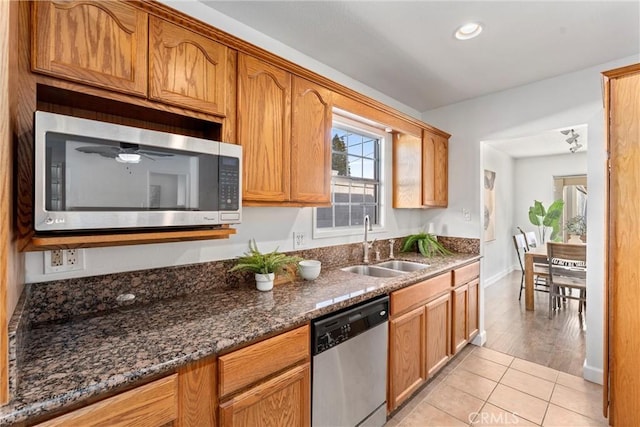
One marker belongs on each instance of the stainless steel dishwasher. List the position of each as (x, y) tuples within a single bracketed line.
[(349, 380)]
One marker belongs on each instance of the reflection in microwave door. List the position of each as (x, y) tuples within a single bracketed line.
[(125, 153), (154, 196)]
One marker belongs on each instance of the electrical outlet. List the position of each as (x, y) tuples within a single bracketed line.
[(61, 260), (56, 258), (299, 239)]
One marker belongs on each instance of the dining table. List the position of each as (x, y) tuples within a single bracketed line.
[(532, 256)]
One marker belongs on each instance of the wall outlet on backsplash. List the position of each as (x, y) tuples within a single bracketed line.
[(299, 240), (61, 260)]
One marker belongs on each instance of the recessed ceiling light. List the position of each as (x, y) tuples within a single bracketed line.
[(468, 31)]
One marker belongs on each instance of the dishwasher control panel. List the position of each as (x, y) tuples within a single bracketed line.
[(335, 328)]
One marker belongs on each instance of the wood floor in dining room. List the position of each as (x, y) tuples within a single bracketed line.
[(558, 343)]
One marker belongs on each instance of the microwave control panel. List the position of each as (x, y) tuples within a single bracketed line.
[(229, 183)]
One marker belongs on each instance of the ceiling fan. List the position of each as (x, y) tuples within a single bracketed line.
[(573, 139), (125, 153)]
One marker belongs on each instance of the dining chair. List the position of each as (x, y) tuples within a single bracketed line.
[(532, 240), (539, 272), (567, 269)]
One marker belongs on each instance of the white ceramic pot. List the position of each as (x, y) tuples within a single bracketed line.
[(264, 282), (574, 238)]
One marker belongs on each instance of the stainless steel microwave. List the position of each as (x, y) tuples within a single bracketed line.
[(92, 175)]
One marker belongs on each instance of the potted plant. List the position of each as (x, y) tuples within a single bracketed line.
[(547, 218), (576, 227), (427, 244), (264, 266)]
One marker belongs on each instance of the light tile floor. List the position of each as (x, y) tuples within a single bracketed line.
[(482, 387)]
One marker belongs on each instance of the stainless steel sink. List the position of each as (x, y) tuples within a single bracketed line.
[(372, 270), (403, 265)]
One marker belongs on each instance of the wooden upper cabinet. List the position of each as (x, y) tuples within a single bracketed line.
[(434, 170), (284, 127), (407, 171), (187, 69), (93, 42), (311, 142), (264, 129), (420, 168)]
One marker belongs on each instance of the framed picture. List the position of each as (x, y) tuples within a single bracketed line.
[(489, 205)]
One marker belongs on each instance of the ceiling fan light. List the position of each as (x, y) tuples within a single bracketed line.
[(128, 158), (468, 31)]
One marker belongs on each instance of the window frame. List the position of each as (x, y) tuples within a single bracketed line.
[(375, 131)]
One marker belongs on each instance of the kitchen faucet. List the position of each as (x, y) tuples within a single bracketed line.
[(367, 245)]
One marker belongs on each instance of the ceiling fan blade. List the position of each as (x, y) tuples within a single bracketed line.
[(104, 151), (153, 153)]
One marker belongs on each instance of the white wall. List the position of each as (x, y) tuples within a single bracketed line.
[(526, 110), (534, 181), (499, 256)]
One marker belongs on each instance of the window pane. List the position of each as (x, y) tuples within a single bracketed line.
[(324, 217), (341, 193), (357, 193), (371, 211), (368, 169), (368, 148), (370, 194), (355, 167), (342, 216), (357, 215), (339, 163)]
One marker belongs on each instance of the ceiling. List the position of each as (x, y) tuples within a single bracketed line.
[(406, 49), (547, 143)]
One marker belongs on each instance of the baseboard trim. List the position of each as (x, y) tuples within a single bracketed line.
[(496, 277), (480, 339), (593, 374)]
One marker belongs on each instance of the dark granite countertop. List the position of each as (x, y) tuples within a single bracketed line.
[(66, 363)]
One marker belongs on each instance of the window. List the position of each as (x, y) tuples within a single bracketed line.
[(355, 181)]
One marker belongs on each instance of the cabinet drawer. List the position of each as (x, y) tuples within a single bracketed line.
[(464, 274), (250, 364), (416, 295), (151, 404)]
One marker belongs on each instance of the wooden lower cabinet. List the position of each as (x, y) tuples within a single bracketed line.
[(407, 368), (150, 405), (474, 301), (282, 401), (197, 394), (438, 335), (459, 318)]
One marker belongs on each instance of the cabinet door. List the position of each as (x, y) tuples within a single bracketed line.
[(407, 171), (438, 333), (152, 404), (311, 142), (406, 356), (264, 126), (281, 401), (460, 319), (197, 394), (186, 68), (474, 299), (434, 170), (94, 42)]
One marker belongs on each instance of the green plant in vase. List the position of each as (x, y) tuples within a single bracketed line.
[(264, 265), (427, 244), (547, 218)]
